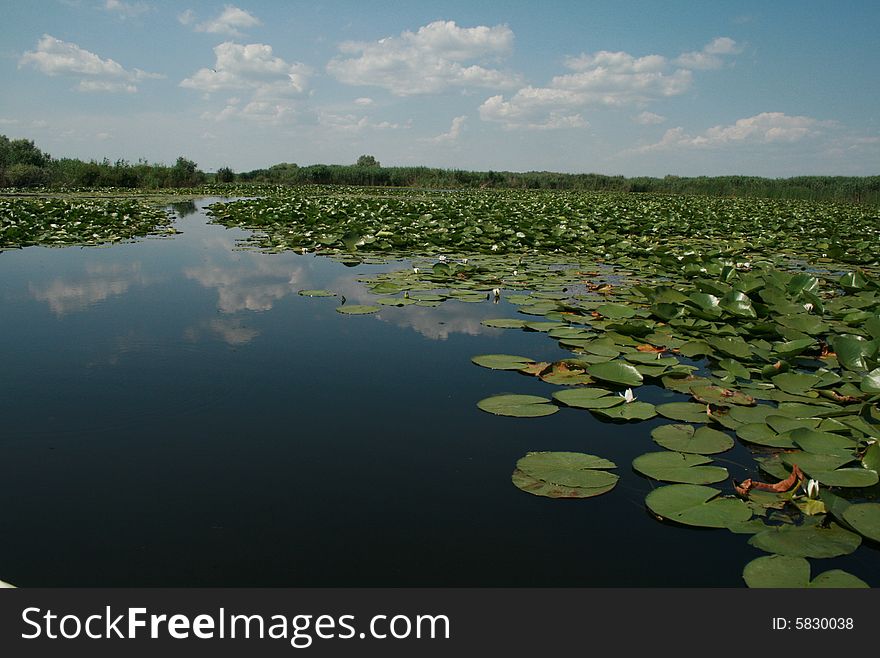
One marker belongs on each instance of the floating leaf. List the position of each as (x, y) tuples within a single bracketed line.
[(807, 541), (564, 475), (687, 411), (696, 505), (783, 571), (865, 519), (679, 467), (504, 323), (518, 406), (617, 372), (721, 396), (357, 309), (588, 398), (317, 293), (628, 411), (684, 438), (846, 477), (502, 361)]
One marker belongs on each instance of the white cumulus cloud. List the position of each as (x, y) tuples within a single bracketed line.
[(710, 56), (610, 79), (251, 66), (231, 22), (61, 58), (453, 133), (648, 118), (764, 128), (437, 57)]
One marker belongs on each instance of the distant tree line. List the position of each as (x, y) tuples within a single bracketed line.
[(22, 164), (818, 188)]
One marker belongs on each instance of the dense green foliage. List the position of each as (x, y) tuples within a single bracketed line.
[(23, 165), (599, 225)]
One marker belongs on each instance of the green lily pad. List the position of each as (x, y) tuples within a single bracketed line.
[(685, 438), (721, 396), (317, 293), (846, 477), (504, 323), (823, 443), (357, 309), (679, 467), (696, 505), (502, 361), (617, 372), (587, 398), (686, 411), (865, 519), (518, 406), (763, 435), (807, 541), (564, 475), (615, 311), (871, 382), (628, 411), (795, 382), (783, 571)]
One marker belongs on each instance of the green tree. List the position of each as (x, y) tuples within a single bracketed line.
[(225, 175), (367, 161)]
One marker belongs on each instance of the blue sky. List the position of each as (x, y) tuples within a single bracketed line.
[(633, 88)]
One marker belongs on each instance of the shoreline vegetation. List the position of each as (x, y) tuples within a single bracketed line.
[(23, 166)]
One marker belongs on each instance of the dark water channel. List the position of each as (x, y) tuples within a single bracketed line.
[(173, 413)]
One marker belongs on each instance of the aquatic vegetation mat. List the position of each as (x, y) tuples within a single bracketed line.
[(59, 222)]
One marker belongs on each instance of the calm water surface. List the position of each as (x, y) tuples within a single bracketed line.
[(175, 414)]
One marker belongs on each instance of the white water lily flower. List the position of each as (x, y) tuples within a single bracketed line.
[(813, 489), (494, 247), (496, 292), (442, 258), (628, 396), (415, 270), (808, 307), (515, 272)]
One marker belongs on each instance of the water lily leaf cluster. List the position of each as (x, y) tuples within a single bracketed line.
[(57, 222)]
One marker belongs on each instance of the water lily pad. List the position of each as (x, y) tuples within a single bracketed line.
[(783, 571), (504, 323), (795, 382), (628, 411), (685, 438), (571, 469), (615, 311), (807, 541), (518, 406), (588, 398), (823, 443), (679, 467), (357, 309), (721, 396), (871, 382), (502, 361), (763, 435), (865, 519), (696, 505), (686, 411), (617, 372), (317, 293), (846, 477), (564, 475)]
